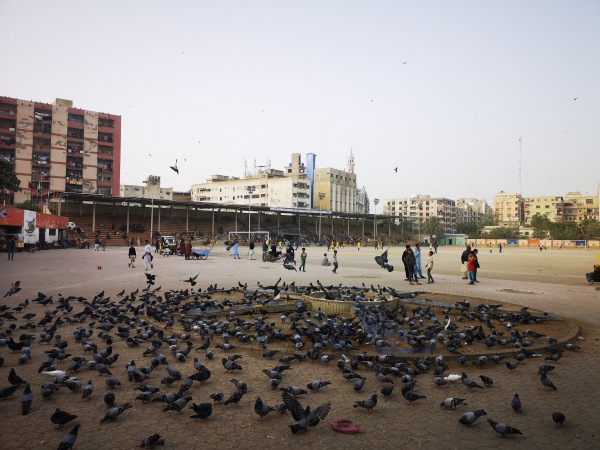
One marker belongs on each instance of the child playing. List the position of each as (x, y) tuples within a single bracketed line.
[(430, 268), (471, 267)]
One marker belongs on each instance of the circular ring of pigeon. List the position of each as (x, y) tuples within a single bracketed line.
[(383, 320)]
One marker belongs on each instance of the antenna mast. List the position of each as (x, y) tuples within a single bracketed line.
[(520, 162)]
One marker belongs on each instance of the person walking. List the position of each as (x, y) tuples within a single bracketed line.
[(147, 258), (11, 248), (418, 267), (464, 257), (335, 262), (404, 254), (476, 253), (435, 246), (358, 246), (490, 247), (251, 250), (188, 249), (132, 254), (302, 260), (430, 268), (97, 243), (236, 250)]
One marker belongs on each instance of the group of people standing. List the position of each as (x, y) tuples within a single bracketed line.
[(469, 263), (413, 267)]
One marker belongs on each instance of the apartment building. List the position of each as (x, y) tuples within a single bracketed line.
[(421, 208), (578, 207), (472, 210), (549, 206), (57, 147), (508, 208)]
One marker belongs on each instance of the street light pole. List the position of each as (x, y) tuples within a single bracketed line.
[(376, 201), (250, 190), (321, 197)]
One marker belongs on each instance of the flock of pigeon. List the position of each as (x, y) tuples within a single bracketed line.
[(171, 343)]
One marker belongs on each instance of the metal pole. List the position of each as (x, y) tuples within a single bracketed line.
[(151, 217)]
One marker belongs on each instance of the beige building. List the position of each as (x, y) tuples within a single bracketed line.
[(151, 190), (508, 208), (421, 208), (338, 189), (549, 206), (579, 207)]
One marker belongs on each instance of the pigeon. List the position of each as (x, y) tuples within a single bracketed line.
[(88, 391), (15, 287), (547, 382), (452, 402), (468, 382), (112, 383), (487, 381), (26, 400), (109, 399), (230, 365), (304, 417), (150, 278), (382, 261), (169, 398), (178, 405), (270, 353), (61, 417), (317, 384), (516, 404), (203, 410), (191, 280), (115, 412), (386, 391), (7, 392), (235, 398), (174, 168), (512, 365), (240, 385), (558, 418), (359, 384), (502, 428), (15, 379), (154, 440), (217, 397), (368, 404), (294, 390), (262, 409), (470, 417), (412, 396), (68, 440)]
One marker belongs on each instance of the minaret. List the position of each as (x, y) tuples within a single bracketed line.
[(351, 162)]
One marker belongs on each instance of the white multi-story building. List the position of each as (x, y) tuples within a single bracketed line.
[(421, 208), (471, 210), (273, 188)]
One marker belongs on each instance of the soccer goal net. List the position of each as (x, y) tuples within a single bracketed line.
[(247, 236)]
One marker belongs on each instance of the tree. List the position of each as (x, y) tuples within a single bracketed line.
[(590, 229), (8, 177), (469, 228), (433, 226), (541, 226), (504, 233), (565, 230)]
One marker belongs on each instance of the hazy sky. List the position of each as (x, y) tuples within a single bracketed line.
[(440, 89)]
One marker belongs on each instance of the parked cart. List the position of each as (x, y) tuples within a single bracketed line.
[(200, 253)]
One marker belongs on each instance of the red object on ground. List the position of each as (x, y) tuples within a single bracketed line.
[(346, 426)]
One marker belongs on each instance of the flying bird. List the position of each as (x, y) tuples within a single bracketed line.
[(191, 280), (304, 417), (16, 287), (150, 278), (174, 168), (382, 261)]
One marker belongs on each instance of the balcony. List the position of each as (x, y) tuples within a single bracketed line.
[(7, 142), (42, 128), (105, 138), (106, 123), (76, 118), (73, 133)]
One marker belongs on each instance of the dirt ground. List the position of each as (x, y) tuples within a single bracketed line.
[(551, 281)]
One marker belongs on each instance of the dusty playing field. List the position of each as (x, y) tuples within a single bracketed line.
[(549, 281)]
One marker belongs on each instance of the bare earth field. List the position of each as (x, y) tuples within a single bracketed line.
[(551, 281)]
